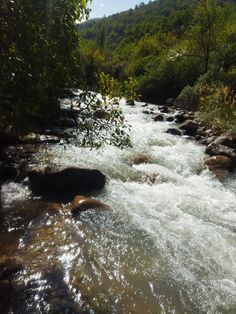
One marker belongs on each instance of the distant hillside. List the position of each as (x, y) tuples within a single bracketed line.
[(162, 15), (166, 45)]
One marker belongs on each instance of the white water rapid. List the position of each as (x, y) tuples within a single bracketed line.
[(169, 243)]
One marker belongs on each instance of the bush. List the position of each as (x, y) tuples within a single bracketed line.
[(188, 98), (218, 106)]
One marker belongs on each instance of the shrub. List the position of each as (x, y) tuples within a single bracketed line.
[(218, 106), (188, 98)]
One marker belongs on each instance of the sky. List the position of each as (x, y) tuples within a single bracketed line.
[(108, 7)]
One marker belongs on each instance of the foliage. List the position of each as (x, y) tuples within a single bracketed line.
[(188, 98), (37, 44), (218, 106), (167, 45), (100, 122)]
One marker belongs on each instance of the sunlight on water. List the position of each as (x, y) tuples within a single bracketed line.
[(167, 246)]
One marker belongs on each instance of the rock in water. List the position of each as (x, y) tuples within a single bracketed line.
[(69, 181), (130, 103), (82, 203), (190, 127), (174, 131)]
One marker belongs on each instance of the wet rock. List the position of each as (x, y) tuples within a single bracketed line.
[(82, 203), (220, 174), (159, 117), (170, 119), (190, 127), (170, 101), (164, 109), (101, 114), (139, 159), (144, 105), (34, 139), (146, 112), (7, 172), (67, 122), (9, 266), (228, 140), (180, 118), (210, 140), (218, 161), (174, 131), (216, 149), (68, 181), (130, 103)]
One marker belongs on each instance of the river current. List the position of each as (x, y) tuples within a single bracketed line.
[(168, 245)]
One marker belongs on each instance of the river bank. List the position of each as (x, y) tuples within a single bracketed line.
[(168, 238)]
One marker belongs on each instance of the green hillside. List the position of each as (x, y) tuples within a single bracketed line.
[(166, 45)]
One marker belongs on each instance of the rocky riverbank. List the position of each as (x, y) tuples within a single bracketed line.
[(220, 146)]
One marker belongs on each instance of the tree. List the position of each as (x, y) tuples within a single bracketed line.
[(37, 44), (205, 33)]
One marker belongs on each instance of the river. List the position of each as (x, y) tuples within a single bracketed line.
[(167, 246)]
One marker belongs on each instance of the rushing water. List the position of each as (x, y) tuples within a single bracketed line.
[(167, 246)]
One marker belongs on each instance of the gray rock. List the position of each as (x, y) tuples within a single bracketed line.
[(190, 127)]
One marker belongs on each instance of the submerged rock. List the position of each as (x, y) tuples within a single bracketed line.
[(82, 203), (139, 159), (69, 181)]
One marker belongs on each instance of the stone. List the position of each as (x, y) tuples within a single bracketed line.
[(218, 161), (7, 172), (144, 105), (9, 266), (101, 114), (174, 131), (228, 140), (216, 149), (164, 110), (82, 203), (146, 112), (68, 181), (130, 103), (67, 122), (170, 119), (180, 118), (159, 117), (190, 127), (139, 159), (220, 174)]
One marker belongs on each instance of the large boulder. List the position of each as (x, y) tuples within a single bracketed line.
[(69, 181), (82, 203), (228, 139), (217, 149), (218, 161), (190, 127)]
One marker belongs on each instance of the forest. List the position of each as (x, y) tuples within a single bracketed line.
[(183, 50)]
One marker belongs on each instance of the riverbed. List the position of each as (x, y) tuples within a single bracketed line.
[(168, 244)]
